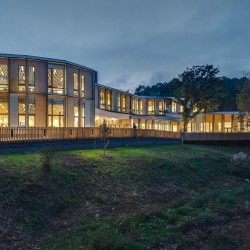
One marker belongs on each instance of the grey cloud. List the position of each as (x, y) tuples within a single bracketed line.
[(131, 42)]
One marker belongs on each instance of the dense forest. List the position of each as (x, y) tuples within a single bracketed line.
[(231, 87)]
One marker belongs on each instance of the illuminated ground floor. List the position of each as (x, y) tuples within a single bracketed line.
[(210, 122)]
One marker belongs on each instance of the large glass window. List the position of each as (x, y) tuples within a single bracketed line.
[(83, 86), (161, 108), (4, 112), (109, 101), (56, 80), (21, 78), (22, 104), (76, 113), (76, 84), (151, 107), (21, 111), (102, 100), (31, 84), (55, 112), (173, 106), (83, 114), (124, 104), (119, 103), (31, 111), (4, 79)]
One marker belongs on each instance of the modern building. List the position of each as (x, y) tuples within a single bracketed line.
[(44, 92)]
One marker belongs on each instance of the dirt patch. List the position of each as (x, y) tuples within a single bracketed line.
[(70, 160)]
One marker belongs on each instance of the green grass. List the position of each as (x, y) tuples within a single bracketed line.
[(132, 198)]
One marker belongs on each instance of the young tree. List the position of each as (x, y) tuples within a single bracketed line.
[(104, 134), (197, 90)]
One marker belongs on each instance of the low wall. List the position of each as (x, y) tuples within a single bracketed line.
[(217, 137)]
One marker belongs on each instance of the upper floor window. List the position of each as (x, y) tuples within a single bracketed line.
[(76, 84), (21, 78), (173, 106), (151, 107), (109, 101), (31, 82), (83, 86), (56, 79), (119, 103), (124, 104), (161, 108), (102, 100), (4, 79), (181, 108)]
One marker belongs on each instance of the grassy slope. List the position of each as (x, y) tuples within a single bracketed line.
[(159, 197)]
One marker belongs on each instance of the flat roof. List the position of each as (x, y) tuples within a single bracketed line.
[(45, 59), (128, 93)]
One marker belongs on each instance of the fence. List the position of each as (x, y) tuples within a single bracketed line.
[(15, 135), (241, 136)]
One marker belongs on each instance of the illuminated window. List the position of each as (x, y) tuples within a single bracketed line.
[(140, 107), (55, 80), (137, 107), (119, 103), (160, 108), (4, 79), (76, 84), (31, 111), (181, 108), (124, 104), (21, 78), (4, 112), (202, 127), (83, 114), (21, 111), (76, 113), (109, 101), (31, 84), (173, 106), (133, 106), (55, 112), (151, 107), (83, 86), (102, 100)]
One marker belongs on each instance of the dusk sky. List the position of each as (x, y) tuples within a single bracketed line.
[(131, 42)]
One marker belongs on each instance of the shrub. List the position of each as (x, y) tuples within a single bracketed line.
[(47, 155), (240, 165)]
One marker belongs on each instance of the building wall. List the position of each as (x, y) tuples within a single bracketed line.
[(40, 92)]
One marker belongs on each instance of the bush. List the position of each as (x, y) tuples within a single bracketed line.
[(240, 165), (47, 155)]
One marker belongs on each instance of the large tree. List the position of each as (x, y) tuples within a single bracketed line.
[(243, 105), (243, 98), (197, 90)]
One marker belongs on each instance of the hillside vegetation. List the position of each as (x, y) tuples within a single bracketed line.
[(161, 197)]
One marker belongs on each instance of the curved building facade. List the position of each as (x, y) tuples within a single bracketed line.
[(44, 92), (49, 93)]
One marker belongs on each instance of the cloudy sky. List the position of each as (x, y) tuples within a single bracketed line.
[(131, 42)]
